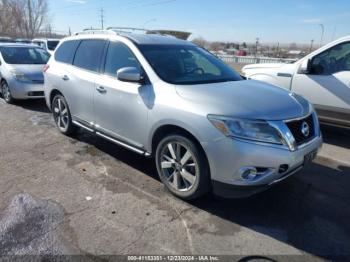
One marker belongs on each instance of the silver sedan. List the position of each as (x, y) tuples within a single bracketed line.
[(21, 71)]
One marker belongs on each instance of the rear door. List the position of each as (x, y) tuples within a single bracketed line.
[(327, 85), (121, 108), (82, 76)]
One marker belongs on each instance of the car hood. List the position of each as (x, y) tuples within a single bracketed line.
[(262, 66), (33, 72), (247, 99)]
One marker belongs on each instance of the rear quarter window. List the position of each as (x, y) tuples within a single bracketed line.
[(65, 52)]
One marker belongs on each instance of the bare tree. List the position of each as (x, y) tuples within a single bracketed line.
[(23, 17), (201, 42)]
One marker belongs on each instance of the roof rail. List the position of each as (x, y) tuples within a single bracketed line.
[(127, 29), (92, 31)]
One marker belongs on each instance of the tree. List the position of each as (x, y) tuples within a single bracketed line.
[(25, 18), (201, 42)]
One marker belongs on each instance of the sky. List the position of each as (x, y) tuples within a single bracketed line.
[(283, 21)]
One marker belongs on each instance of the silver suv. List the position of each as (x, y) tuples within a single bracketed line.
[(207, 127)]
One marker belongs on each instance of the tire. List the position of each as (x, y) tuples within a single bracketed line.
[(62, 116), (182, 167), (6, 93)]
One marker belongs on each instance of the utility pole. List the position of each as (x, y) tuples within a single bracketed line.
[(278, 50), (322, 34), (102, 18), (312, 45), (256, 46), (70, 32)]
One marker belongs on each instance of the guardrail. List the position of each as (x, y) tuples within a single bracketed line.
[(253, 60)]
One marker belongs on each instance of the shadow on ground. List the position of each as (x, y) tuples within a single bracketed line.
[(336, 136), (310, 211), (36, 105)]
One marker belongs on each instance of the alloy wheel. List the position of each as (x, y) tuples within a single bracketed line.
[(179, 166), (6, 92), (61, 115)]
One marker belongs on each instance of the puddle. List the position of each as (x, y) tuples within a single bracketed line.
[(89, 150), (42, 120), (30, 227)]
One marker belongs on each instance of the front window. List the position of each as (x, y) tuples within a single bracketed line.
[(51, 45), (24, 55), (334, 60), (119, 56), (186, 64)]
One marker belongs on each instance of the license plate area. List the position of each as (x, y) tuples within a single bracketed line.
[(310, 157)]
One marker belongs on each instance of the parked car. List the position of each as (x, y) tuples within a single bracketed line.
[(21, 71), (23, 41), (206, 127), (5, 39), (323, 77), (48, 44)]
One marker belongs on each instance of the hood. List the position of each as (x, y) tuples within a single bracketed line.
[(257, 66), (247, 99), (32, 72)]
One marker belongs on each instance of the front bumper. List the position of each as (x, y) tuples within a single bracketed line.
[(24, 90), (227, 157)]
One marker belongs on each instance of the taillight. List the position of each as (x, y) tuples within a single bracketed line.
[(46, 67)]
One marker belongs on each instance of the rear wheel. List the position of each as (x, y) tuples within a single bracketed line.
[(6, 93), (62, 116), (182, 167)]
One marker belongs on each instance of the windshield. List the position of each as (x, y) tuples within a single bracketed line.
[(24, 55), (185, 64), (51, 45)]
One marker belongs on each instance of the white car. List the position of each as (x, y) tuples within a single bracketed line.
[(323, 77), (48, 44)]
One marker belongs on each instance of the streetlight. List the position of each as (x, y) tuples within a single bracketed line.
[(322, 34), (311, 46)]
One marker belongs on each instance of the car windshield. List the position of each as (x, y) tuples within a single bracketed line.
[(24, 55), (187, 64), (51, 45)]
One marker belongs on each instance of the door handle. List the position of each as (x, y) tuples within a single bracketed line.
[(101, 90), (65, 78)]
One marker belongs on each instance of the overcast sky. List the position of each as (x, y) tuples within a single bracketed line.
[(272, 21)]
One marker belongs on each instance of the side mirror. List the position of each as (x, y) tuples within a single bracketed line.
[(305, 67), (130, 74)]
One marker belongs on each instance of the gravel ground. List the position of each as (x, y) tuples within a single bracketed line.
[(84, 196)]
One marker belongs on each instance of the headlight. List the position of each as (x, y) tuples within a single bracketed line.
[(20, 76), (259, 131)]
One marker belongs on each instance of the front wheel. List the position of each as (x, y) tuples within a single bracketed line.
[(6, 93), (182, 167), (62, 116)]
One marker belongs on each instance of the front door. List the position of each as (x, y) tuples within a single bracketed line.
[(327, 85), (121, 108)]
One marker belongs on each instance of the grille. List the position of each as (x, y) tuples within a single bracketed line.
[(296, 128)]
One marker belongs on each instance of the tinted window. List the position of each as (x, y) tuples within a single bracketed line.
[(333, 60), (119, 56), (65, 52), (187, 64), (24, 55), (52, 44), (41, 44), (89, 54)]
